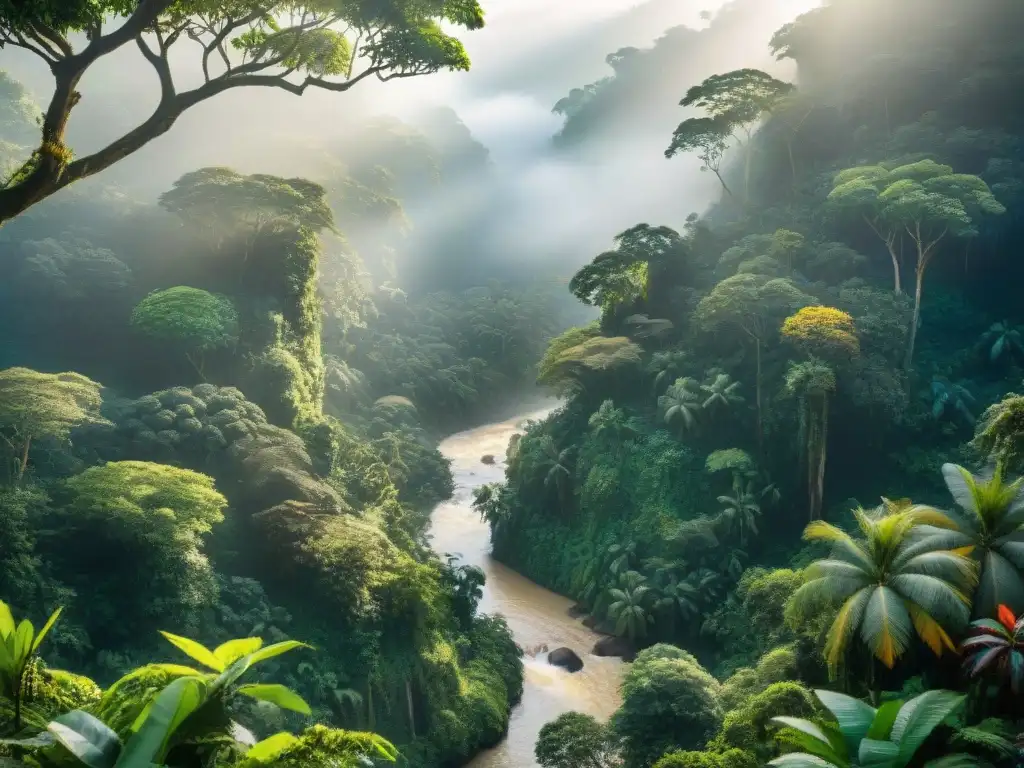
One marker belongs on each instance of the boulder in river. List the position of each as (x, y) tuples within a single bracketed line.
[(565, 658), (576, 610), (614, 646), (487, 458)]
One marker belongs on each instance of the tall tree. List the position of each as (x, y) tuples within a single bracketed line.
[(290, 46), (220, 203), (197, 320), (926, 202), (35, 405), (736, 101), (622, 275), (709, 138), (855, 192), (754, 305), (813, 383)]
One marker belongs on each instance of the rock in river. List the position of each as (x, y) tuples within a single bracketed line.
[(487, 459), (614, 646), (565, 658)]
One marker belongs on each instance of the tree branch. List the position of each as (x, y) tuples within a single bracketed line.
[(54, 37), (145, 15), (160, 64)]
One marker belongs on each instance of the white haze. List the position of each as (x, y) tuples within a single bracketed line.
[(541, 207)]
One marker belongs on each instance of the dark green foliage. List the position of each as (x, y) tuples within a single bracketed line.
[(573, 740), (668, 701)]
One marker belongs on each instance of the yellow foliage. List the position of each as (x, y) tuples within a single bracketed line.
[(823, 330)]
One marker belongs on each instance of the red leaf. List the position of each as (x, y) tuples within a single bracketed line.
[(1006, 617)]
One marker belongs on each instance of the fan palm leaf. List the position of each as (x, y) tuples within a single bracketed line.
[(992, 527), (891, 583)]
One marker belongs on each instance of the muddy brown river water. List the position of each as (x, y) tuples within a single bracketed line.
[(536, 615)]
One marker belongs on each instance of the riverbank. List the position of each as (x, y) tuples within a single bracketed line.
[(536, 616)]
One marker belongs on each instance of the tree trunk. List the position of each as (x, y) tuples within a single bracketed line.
[(897, 284), (760, 424), (24, 459), (792, 161), (746, 170), (412, 713), (917, 314), (370, 717), (816, 461)]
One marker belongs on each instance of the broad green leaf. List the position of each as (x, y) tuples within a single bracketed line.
[(800, 760), (276, 650), (881, 726), (270, 747), (233, 650), (919, 717), (39, 741), (6, 620), (195, 650), (810, 737), (46, 628), (6, 656), (873, 752), (277, 694), (854, 716), (171, 706), (87, 738), (23, 641), (178, 669)]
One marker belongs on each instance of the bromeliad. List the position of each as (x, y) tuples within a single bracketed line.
[(997, 647)]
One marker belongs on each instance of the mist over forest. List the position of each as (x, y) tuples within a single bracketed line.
[(533, 212), (511, 384)]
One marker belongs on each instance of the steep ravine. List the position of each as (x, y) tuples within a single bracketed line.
[(536, 616)]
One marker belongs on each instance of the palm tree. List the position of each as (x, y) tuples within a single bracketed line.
[(609, 421), (622, 557), (741, 509), (665, 366), (557, 466), (681, 402), (993, 529), (721, 392), (1002, 339), (890, 582), (678, 599), (628, 607), (949, 398)]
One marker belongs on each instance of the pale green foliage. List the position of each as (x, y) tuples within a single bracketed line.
[(195, 318), (573, 366), (776, 666), (749, 727), (1000, 433), (160, 515), (751, 303), (810, 379), (221, 200), (731, 459), (320, 745), (34, 404), (733, 758), (162, 500)]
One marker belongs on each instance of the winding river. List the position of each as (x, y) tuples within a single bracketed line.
[(536, 616)]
